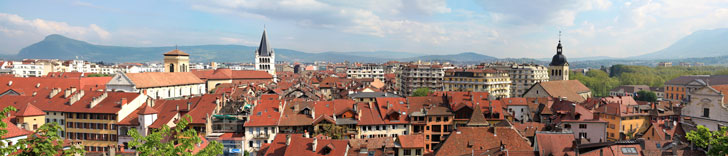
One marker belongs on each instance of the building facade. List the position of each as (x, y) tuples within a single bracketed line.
[(176, 61), (495, 82), (707, 107), (523, 76), (414, 76), (366, 71)]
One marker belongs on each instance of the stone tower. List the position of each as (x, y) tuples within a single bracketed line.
[(176, 61)]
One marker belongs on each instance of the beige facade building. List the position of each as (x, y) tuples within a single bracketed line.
[(523, 76), (495, 82), (176, 61)]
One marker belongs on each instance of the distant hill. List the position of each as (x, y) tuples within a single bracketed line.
[(61, 47), (703, 43)]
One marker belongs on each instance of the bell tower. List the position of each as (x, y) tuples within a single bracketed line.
[(176, 61), (559, 67)]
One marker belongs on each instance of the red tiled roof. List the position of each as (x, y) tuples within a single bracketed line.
[(266, 112), (482, 138), (555, 143), (224, 73), (146, 109), (565, 88), (176, 52), (412, 141), (29, 110), (159, 79), (14, 130)]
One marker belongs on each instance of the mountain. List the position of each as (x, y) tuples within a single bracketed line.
[(61, 47), (703, 43)]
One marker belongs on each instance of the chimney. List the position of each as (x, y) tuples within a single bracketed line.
[(315, 142), (96, 100), (37, 85), (74, 98), (150, 102), (54, 92), (288, 139), (10, 83), (356, 110), (67, 93), (123, 101), (188, 105), (177, 108)]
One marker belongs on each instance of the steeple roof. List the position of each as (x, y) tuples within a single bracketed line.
[(559, 59), (176, 52), (477, 118), (264, 49)]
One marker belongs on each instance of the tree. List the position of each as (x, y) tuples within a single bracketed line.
[(421, 92), (648, 96), (4, 148), (182, 141), (715, 141), (44, 141)]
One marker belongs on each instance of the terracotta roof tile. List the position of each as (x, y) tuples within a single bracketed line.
[(411, 141), (176, 52), (158, 79), (482, 138), (565, 88)]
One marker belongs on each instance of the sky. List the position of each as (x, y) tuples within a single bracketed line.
[(499, 28)]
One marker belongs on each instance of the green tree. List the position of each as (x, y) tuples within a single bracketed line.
[(648, 96), (183, 142), (45, 140), (421, 92), (5, 149), (715, 141)]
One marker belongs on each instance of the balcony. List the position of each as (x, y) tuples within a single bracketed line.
[(261, 136)]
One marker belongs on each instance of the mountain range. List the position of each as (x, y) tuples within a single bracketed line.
[(61, 47), (704, 43)]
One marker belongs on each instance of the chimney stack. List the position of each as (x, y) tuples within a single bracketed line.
[(315, 143), (123, 101), (288, 139)]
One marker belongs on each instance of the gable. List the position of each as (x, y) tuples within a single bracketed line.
[(120, 79)]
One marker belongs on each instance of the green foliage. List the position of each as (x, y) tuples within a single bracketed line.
[(331, 130), (598, 81), (715, 141), (648, 96), (98, 75), (421, 92), (4, 148), (185, 139), (45, 140)]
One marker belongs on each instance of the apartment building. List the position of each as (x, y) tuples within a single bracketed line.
[(523, 76), (262, 124), (495, 82), (366, 71), (414, 76)]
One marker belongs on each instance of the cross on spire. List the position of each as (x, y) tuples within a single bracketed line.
[(559, 36)]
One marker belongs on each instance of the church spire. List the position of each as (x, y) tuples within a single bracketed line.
[(264, 49), (558, 47)]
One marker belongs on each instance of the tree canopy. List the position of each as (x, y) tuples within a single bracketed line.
[(715, 141), (421, 91), (182, 142), (44, 141)]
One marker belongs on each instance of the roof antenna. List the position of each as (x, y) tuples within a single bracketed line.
[(175, 47)]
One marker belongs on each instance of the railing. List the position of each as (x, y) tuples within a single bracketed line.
[(261, 136)]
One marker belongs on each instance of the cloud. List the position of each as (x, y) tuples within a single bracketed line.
[(384, 19), (537, 12), (18, 32)]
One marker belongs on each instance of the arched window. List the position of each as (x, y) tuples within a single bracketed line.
[(171, 67)]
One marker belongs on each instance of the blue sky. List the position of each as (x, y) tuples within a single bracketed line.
[(496, 28)]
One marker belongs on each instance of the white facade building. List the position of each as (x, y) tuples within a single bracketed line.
[(265, 57)]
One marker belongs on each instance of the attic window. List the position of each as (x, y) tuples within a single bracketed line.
[(260, 113)]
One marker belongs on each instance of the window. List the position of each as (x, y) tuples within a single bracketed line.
[(629, 150), (582, 126), (582, 135), (418, 152), (706, 112), (407, 152)]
